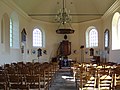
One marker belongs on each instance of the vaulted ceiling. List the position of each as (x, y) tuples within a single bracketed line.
[(80, 10)]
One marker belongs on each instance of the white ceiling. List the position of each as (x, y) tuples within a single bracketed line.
[(80, 10)]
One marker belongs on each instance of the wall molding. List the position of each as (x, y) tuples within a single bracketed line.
[(112, 9), (14, 7)]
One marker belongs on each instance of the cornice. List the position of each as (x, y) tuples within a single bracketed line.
[(112, 9), (13, 6)]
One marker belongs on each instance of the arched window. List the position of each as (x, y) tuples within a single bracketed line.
[(37, 38), (91, 37), (14, 31), (11, 32), (116, 31)]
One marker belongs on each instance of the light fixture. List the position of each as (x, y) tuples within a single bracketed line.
[(64, 19)]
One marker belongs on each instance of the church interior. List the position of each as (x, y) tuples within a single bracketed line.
[(41, 41)]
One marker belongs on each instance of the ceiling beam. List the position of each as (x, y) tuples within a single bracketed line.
[(74, 14)]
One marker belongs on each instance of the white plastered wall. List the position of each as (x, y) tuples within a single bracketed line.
[(114, 55), (52, 39)]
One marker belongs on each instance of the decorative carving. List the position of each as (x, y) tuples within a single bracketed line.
[(64, 31), (65, 48)]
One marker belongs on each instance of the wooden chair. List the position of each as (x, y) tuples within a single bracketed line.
[(33, 81), (116, 78), (84, 80), (104, 79), (43, 77), (10, 70), (3, 82), (16, 82)]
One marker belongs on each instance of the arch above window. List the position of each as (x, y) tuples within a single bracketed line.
[(37, 38), (91, 37)]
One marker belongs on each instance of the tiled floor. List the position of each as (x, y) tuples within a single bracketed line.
[(63, 81)]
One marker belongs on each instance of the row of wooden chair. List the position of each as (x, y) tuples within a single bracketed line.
[(27, 75), (101, 77)]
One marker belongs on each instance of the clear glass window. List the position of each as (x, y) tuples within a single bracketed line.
[(11, 33), (93, 38), (37, 38)]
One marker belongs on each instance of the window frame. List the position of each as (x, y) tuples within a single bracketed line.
[(106, 40), (11, 32), (41, 38), (88, 37), (106, 35)]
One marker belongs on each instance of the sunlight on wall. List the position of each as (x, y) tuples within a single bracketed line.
[(115, 31)]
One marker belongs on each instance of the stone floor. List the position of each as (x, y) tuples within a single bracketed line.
[(63, 81)]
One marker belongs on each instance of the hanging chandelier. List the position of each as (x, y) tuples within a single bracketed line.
[(63, 17)]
